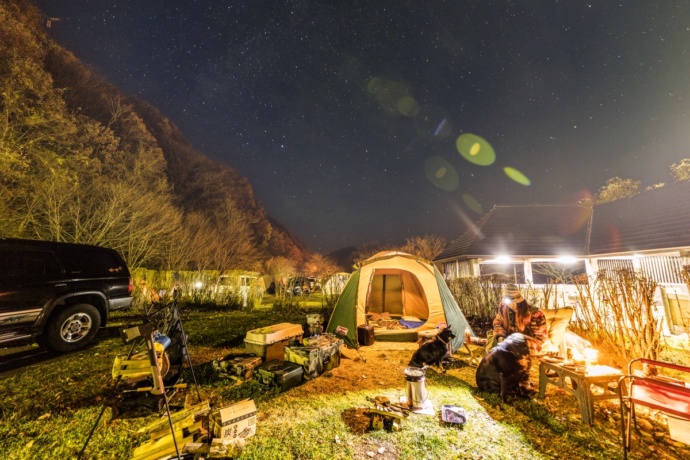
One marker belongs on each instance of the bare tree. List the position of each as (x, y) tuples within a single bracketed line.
[(281, 270), (427, 246), (233, 245), (617, 188), (320, 267), (681, 171)]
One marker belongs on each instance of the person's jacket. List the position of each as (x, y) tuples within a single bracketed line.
[(533, 324)]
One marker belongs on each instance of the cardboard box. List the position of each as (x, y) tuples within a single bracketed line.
[(269, 342), (234, 422), (679, 429)]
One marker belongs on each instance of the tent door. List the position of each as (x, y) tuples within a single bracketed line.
[(386, 295)]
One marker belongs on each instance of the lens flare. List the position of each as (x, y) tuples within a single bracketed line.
[(517, 176), (441, 173), (389, 93), (472, 203), (571, 220), (374, 84), (408, 106), (475, 149), (433, 122)]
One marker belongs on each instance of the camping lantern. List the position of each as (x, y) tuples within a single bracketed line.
[(591, 356), (415, 387)]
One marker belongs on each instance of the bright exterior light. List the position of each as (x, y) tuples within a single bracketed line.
[(198, 284), (566, 260), (502, 259)]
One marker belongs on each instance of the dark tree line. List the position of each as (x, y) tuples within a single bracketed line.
[(81, 162)]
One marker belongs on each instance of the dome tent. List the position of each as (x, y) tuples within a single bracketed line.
[(404, 286)]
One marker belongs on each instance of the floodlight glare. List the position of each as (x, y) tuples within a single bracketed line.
[(566, 260)]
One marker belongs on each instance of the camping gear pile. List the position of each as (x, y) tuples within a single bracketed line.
[(386, 415), (278, 358), (187, 426), (239, 368), (316, 355), (230, 426)]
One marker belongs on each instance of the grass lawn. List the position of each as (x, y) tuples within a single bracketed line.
[(49, 404)]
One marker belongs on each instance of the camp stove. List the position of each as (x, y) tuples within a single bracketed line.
[(415, 387)]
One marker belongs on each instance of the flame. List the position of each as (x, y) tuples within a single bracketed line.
[(591, 356)]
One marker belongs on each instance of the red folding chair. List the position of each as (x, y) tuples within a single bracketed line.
[(668, 395)]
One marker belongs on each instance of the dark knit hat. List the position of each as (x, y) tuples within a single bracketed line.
[(511, 291)]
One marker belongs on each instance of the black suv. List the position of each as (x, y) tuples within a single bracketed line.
[(59, 294)]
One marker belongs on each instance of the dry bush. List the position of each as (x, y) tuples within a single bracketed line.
[(617, 313), (195, 288), (478, 296)]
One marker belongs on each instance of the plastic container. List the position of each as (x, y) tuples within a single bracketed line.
[(269, 342)]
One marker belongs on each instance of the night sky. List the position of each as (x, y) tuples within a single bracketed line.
[(376, 121)]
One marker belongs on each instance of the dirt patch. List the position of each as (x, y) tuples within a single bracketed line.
[(357, 420)]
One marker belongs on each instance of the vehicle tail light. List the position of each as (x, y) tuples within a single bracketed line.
[(131, 285)]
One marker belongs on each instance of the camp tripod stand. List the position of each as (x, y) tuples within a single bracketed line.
[(146, 331), (171, 318)]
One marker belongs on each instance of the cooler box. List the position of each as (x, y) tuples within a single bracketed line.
[(237, 421), (269, 342), (365, 335), (279, 375), (318, 357)]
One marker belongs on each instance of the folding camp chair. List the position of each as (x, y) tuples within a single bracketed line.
[(668, 395)]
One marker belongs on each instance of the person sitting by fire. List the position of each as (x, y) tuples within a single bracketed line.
[(516, 315)]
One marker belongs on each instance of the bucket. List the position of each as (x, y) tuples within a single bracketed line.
[(415, 387)]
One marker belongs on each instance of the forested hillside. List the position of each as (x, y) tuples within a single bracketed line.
[(80, 161)]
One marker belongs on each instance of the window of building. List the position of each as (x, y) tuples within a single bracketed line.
[(558, 273), (514, 271)]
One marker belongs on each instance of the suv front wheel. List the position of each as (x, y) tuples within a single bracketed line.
[(72, 328)]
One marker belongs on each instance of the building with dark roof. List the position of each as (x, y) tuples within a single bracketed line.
[(648, 232)]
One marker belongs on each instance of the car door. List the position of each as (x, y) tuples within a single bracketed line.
[(29, 279)]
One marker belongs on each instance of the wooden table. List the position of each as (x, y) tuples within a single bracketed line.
[(579, 381)]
